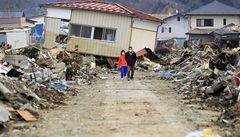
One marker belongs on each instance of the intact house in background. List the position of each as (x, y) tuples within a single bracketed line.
[(15, 29), (204, 20), (174, 27), (100, 28)]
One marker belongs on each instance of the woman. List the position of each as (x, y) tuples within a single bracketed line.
[(122, 65)]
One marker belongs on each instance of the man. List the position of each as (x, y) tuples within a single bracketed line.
[(131, 59)]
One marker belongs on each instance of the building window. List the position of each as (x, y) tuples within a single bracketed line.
[(170, 30), (86, 32), (224, 22), (205, 22), (109, 34), (162, 29), (104, 34), (75, 30), (98, 32), (81, 31), (178, 18), (93, 32)]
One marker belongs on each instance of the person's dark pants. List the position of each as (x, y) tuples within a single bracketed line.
[(131, 71)]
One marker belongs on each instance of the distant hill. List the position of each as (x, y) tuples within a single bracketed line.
[(166, 6), (31, 7)]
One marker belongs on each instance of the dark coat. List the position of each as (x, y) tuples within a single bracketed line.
[(131, 58)]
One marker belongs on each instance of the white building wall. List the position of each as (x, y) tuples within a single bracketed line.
[(145, 24), (179, 28), (144, 34), (59, 13), (18, 39), (143, 38)]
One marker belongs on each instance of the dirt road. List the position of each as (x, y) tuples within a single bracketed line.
[(143, 107)]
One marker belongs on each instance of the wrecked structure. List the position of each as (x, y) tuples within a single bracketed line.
[(100, 28), (33, 78), (207, 18), (206, 74), (228, 36)]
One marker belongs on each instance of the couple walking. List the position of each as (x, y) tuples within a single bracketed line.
[(127, 61)]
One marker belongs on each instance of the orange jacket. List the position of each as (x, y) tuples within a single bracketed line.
[(122, 61)]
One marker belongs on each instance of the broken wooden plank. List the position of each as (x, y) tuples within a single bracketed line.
[(26, 115)]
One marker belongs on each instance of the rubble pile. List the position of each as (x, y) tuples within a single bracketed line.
[(147, 60), (162, 59), (208, 75), (204, 74), (146, 64), (230, 119), (17, 94), (33, 78)]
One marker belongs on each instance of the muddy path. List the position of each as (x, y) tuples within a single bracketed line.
[(143, 107)]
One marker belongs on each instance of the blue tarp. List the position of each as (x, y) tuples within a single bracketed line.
[(167, 75), (37, 33)]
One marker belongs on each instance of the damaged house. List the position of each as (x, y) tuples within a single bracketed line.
[(99, 28), (228, 36), (204, 20)]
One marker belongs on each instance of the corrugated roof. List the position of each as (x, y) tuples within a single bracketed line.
[(103, 6), (215, 8), (142, 15), (6, 14)]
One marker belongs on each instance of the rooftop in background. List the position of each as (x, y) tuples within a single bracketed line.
[(35, 16), (161, 16), (103, 6), (177, 14), (200, 31), (7, 15), (215, 8)]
